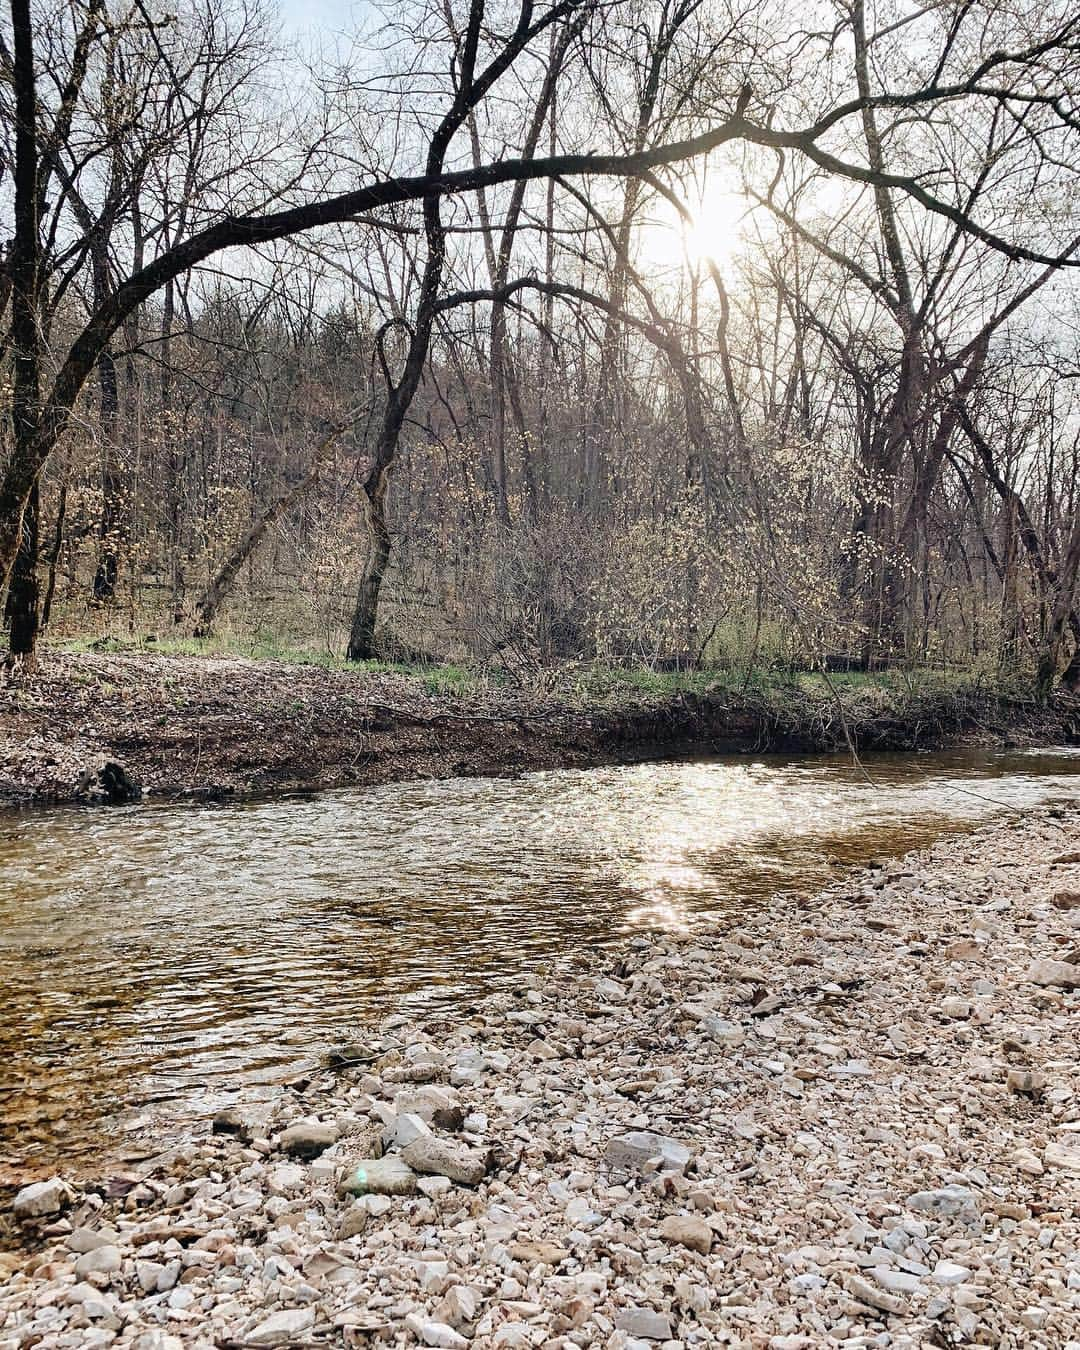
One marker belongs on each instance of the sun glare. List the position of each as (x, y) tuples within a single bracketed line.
[(713, 234)]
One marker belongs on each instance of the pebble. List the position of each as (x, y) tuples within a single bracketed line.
[(896, 1281), (727, 1033), (1029, 1082), (41, 1198), (89, 1239), (641, 1147), (378, 1176), (104, 1260), (1067, 1159), (687, 1232), (404, 1128), (1054, 974), (459, 1306), (947, 1272), (445, 1158), (434, 1186), (872, 1296), (281, 1327), (286, 1178), (1029, 1162), (845, 1123), (946, 1201), (644, 1323), (308, 1140), (147, 1274), (538, 1253), (435, 1333)]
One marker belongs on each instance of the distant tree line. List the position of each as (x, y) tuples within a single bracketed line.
[(668, 331)]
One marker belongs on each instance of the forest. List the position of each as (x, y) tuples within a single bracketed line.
[(680, 333), (539, 674)]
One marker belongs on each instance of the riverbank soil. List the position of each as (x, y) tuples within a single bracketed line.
[(94, 726), (853, 1122)]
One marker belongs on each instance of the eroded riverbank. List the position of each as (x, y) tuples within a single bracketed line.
[(221, 728), (870, 1136)]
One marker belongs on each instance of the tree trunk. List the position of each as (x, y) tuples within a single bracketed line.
[(1009, 638), (24, 593), (1070, 676), (217, 591), (886, 605), (54, 556), (114, 507), (19, 500), (362, 634)]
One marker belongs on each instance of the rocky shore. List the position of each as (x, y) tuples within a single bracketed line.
[(852, 1123)]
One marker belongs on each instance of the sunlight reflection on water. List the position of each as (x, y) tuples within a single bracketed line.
[(173, 956)]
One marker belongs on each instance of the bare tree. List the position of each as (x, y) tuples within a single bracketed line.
[(830, 127)]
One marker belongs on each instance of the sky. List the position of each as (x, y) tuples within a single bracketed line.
[(306, 17)]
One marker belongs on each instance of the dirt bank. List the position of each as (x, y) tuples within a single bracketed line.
[(852, 1123), (210, 727)]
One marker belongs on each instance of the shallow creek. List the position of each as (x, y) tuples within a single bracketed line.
[(158, 963)]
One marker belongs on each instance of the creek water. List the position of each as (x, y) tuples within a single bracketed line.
[(158, 963)]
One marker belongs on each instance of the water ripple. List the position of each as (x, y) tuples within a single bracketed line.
[(162, 959)]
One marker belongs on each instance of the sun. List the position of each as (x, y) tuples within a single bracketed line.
[(714, 233)]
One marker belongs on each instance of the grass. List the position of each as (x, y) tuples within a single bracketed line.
[(449, 679), (588, 684), (456, 681)]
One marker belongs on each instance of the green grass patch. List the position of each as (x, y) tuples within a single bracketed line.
[(595, 684), (451, 679)]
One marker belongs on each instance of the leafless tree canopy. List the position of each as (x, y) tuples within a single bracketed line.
[(669, 331)]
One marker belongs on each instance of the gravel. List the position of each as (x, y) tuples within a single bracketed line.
[(849, 1123)]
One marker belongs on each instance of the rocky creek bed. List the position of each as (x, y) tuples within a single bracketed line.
[(850, 1122)]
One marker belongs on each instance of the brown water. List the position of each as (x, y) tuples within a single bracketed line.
[(157, 963)]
